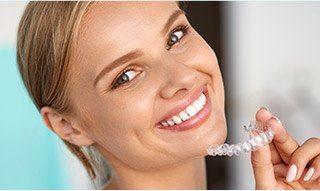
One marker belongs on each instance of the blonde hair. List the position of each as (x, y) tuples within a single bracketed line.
[(45, 37)]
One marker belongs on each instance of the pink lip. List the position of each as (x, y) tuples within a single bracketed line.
[(194, 121)]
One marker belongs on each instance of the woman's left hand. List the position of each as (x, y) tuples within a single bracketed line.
[(284, 164)]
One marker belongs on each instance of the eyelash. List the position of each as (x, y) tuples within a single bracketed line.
[(115, 84), (182, 28)]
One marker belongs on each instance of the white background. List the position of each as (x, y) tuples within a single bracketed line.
[(272, 49)]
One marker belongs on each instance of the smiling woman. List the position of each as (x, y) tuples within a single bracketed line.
[(132, 82)]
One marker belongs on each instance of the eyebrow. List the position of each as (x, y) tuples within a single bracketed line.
[(118, 62), (135, 53), (171, 19)]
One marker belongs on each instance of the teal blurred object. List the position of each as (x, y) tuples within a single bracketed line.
[(30, 154)]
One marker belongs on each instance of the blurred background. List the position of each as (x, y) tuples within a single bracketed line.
[(269, 56)]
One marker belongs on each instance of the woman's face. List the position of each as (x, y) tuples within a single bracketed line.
[(120, 102)]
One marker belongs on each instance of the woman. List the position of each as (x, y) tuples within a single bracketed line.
[(124, 77)]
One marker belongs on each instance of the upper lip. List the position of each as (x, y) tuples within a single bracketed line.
[(196, 94)]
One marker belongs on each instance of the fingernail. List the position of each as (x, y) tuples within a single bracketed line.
[(265, 108), (309, 174), (292, 173), (276, 118)]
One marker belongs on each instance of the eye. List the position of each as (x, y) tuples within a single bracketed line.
[(125, 77), (177, 35)]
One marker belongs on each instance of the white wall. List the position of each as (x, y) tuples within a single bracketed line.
[(272, 50), (10, 13)]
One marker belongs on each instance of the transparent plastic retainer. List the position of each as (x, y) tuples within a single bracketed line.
[(258, 139)]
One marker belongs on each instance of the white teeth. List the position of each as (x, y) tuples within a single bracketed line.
[(177, 119), (197, 104), (183, 115), (170, 122), (191, 110), (203, 96), (202, 99), (164, 123)]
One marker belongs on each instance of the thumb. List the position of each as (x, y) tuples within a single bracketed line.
[(263, 168)]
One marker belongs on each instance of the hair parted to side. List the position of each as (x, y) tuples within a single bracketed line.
[(45, 40)]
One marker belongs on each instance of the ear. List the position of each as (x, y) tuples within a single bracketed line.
[(61, 126)]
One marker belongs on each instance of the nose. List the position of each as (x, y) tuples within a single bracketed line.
[(180, 80)]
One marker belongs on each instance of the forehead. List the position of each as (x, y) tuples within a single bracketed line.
[(106, 22), (113, 12), (108, 26)]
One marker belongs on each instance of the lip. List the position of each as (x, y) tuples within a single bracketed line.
[(194, 121)]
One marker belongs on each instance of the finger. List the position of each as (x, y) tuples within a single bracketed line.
[(275, 156), (316, 166), (280, 170), (283, 142), (263, 168), (262, 116), (301, 157)]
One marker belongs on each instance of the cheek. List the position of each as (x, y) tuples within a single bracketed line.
[(121, 126), (198, 54), (203, 58), (210, 63), (121, 116)]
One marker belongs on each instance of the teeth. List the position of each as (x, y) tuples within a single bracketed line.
[(203, 96), (177, 119), (164, 123), (170, 122), (183, 115), (202, 99), (189, 112), (197, 104)]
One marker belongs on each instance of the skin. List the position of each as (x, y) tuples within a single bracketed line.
[(271, 163), (120, 122)]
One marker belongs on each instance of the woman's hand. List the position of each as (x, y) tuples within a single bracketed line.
[(284, 164)]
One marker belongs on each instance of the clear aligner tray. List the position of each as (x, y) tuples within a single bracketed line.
[(258, 139)]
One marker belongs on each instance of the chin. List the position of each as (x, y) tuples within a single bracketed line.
[(214, 132), (217, 135)]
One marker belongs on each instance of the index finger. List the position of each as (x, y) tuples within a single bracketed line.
[(262, 116), (284, 143)]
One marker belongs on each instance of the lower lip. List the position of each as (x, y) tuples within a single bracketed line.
[(194, 122)]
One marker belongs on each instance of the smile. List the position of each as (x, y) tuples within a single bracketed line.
[(191, 116)]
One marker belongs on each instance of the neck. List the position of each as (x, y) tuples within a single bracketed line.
[(188, 175)]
